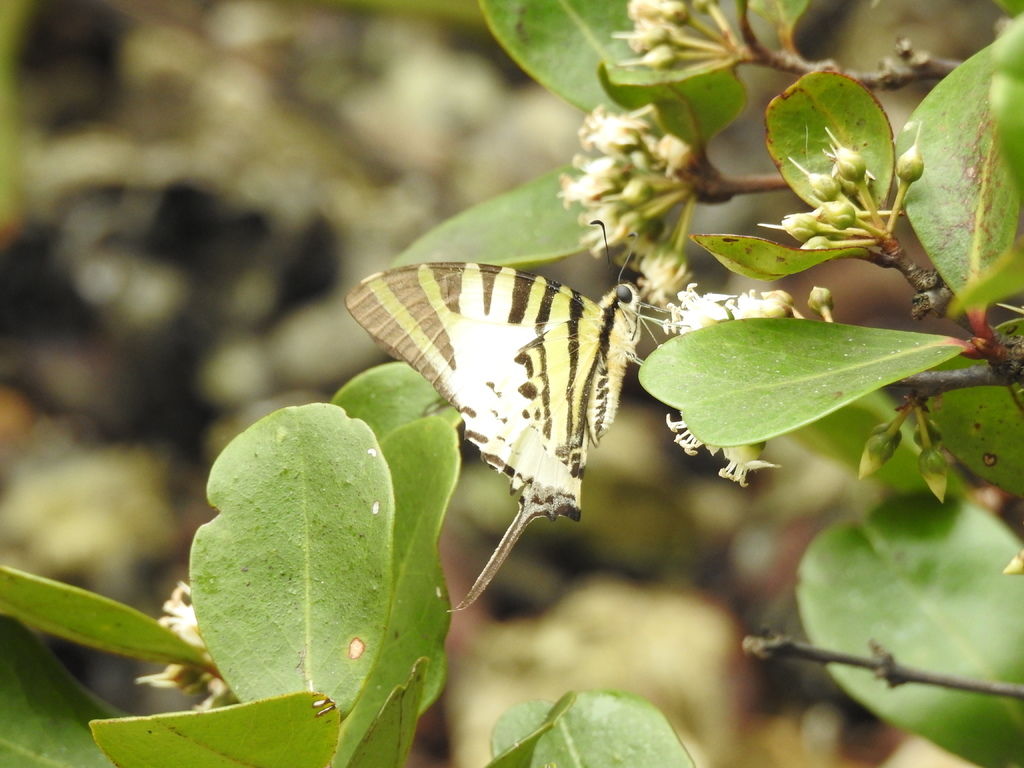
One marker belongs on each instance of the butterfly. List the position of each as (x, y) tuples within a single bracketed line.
[(534, 368)]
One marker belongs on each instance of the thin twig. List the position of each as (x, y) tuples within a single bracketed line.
[(881, 662), (910, 66)]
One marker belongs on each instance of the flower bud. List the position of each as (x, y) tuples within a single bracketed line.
[(839, 213), (636, 191), (659, 57), (823, 186), (702, 6), (801, 226), (850, 165), (934, 470), (910, 165), (816, 243), (820, 301), (878, 449)]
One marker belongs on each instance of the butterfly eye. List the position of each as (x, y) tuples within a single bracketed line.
[(624, 294)]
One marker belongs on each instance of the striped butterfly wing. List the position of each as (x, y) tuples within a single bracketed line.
[(533, 367)]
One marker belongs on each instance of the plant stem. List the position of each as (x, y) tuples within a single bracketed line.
[(881, 662)]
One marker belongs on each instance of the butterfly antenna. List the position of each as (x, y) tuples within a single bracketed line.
[(604, 234), (515, 530)]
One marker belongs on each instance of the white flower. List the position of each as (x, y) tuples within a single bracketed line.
[(615, 134), (771, 304), (684, 437), (699, 310), (674, 151), (743, 459), (181, 616)]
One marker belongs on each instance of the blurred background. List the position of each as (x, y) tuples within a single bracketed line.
[(188, 190)]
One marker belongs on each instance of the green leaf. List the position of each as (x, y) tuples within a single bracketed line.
[(784, 14), (1008, 95), (923, 580), (694, 109), (560, 44), (982, 427), (89, 619), (797, 119), (744, 381), (389, 739), (600, 729), (390, 396), (1012, 7), (424, 461), (520, 228), (841, 436), (295, 571), (1004, 278), (44, 713), (281, 732), (522, 727), (763, 259), (964, 208)]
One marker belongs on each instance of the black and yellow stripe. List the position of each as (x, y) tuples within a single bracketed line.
[(534, 367)]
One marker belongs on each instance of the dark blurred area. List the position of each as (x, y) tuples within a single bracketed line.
[(194, 187)]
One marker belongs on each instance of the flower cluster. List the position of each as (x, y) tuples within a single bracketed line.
[(847, 213), (638, 178), (696, 310), (180, 618), (670, 34)]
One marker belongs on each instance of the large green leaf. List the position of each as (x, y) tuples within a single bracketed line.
[(982, 426), (388, 741), (389, 396), (763, 259), (694, 109), (90, 619), (292, 581), (797, 119), (290, 731), (528, 225), (599, 729), (1008, 96), (744, 381), (560, 44), (964, 208), (424, 461), (44, 713), (923, 580)]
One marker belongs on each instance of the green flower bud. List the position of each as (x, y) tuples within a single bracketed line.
[(660, 57), (636, 191), (816, 243), (878, 449), (820, 301), (910, 165), (701, 6), (801, 226), (823, 186), (850, 165), (934, 470), (839, 213)]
